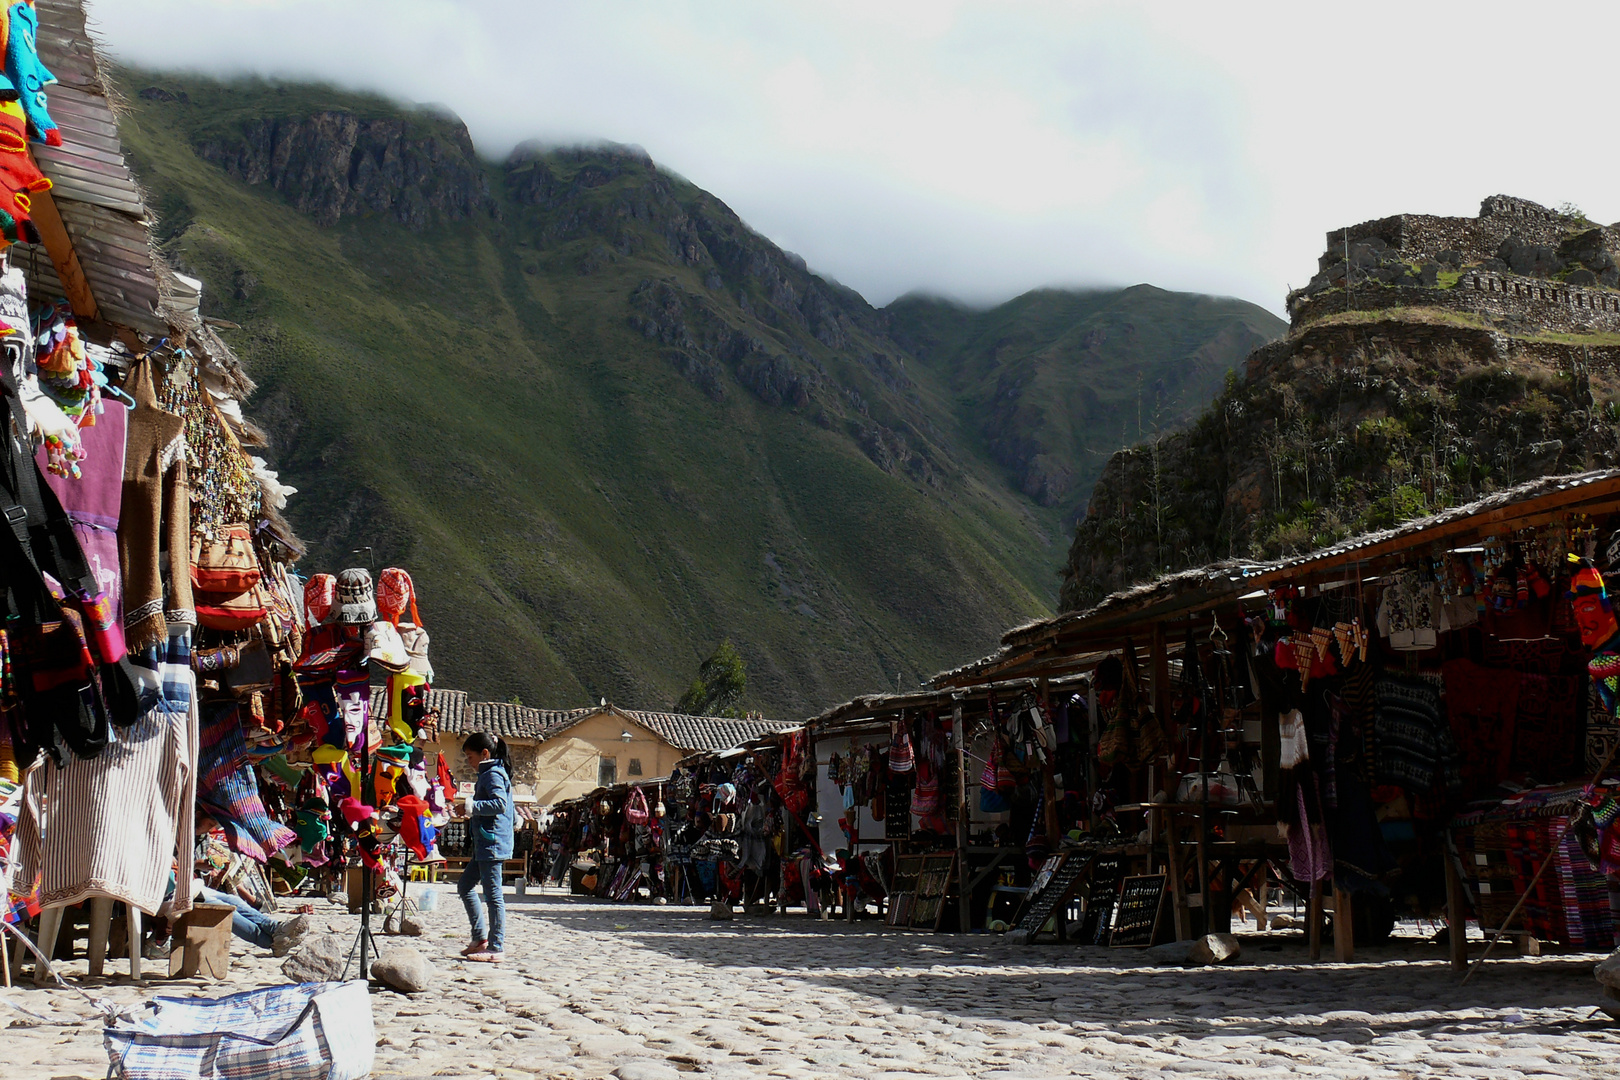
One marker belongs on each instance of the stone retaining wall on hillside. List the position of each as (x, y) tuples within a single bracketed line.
[(1550, 305), (1421, 341)]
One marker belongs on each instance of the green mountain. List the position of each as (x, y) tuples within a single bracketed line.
[(1053, 382), (605, 424)]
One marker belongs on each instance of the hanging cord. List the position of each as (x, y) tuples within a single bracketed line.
[(101, 1005)]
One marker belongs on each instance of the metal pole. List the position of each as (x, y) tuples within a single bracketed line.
[(368, 796)]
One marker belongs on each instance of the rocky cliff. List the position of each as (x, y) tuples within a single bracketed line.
[(333, 163)]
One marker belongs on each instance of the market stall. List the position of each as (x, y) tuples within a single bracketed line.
[(1406, 722), (612, 843), (177, 707)]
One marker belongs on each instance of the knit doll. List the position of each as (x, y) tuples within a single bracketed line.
[(26, 76)]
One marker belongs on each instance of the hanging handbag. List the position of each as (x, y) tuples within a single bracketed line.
[(252, 673), (901, 758), (1148, 738), (635, 811), (991, 799), (1115, 744), (226, 611), (223, 560)]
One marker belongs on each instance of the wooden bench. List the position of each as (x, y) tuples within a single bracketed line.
[(511, 870)]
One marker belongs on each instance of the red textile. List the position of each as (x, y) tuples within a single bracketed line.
[(1482, 705)]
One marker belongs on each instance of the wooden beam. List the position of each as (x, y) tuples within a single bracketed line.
[(52, 230), (1456, 914), (1344, 937), (1048, 780), (964, 898), (1160, 659)]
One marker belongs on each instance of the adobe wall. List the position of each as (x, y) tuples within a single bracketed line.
[(1548, 305)]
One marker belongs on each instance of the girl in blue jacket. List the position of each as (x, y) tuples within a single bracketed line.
[(490, 830)]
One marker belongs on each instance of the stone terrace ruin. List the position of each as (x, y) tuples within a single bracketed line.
[(1518, 267)]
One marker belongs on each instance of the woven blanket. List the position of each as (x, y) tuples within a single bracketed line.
[(230, 791)]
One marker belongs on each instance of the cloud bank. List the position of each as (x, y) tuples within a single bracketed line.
[(979, 148)]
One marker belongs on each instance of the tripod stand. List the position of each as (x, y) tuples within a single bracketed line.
[(364, 943)]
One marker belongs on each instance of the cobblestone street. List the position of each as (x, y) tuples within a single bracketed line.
[(594, 990)]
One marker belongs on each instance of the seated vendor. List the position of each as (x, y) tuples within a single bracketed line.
[(219, 875)]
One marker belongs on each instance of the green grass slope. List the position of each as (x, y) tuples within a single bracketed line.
[(602, 422), (1055, 381)]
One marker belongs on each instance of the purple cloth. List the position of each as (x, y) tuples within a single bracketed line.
[(94, 500)]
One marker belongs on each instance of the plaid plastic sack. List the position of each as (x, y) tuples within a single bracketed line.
[(308, 1031)]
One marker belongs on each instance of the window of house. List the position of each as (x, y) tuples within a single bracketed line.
[(607, 771), (635, 766)]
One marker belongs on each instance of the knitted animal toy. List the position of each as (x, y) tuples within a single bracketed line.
[(25, 77)]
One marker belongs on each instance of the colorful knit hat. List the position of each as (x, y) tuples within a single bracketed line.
[(395, 594), (1587, 581), (357, 601), (320, 596)]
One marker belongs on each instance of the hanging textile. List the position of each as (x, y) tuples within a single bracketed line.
[(118, 822), (228, 790), (154, 522)]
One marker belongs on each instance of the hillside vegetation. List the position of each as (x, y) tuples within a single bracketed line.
[(606, 425)]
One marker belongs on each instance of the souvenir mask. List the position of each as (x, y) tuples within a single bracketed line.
[(1595, 619), (1594, 615)]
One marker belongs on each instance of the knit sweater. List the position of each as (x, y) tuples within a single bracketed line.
[(1415, 747)]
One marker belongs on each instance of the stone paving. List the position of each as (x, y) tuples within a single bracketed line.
[(640, 993)]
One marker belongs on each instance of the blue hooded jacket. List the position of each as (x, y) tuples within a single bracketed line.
[(491, 809)]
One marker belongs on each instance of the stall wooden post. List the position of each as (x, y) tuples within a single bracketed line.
[(964, 896), (1344, 934), (1160, 659), (1048, 779), (1178, 891), (1313, 918), (1093, 736), (1456, 916)]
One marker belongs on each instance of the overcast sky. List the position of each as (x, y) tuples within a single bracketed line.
[(981, 148)]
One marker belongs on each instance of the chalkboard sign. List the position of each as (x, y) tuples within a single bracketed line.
[(1060, 887), (933, 881), (897, 808), (1141, 905), (1100, 894)]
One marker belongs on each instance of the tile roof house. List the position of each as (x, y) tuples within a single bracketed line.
[(558, 754)]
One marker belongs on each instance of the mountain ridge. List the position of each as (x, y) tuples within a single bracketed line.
[(603, 421)]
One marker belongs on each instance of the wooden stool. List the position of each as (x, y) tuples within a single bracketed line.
[(202, 942)]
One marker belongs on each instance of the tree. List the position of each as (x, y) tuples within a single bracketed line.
[(719, 685)]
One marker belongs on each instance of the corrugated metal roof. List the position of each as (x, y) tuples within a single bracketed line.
[(1205, 586)]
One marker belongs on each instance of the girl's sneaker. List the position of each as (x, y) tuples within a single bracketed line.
[(476, 947), (486, 957)]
